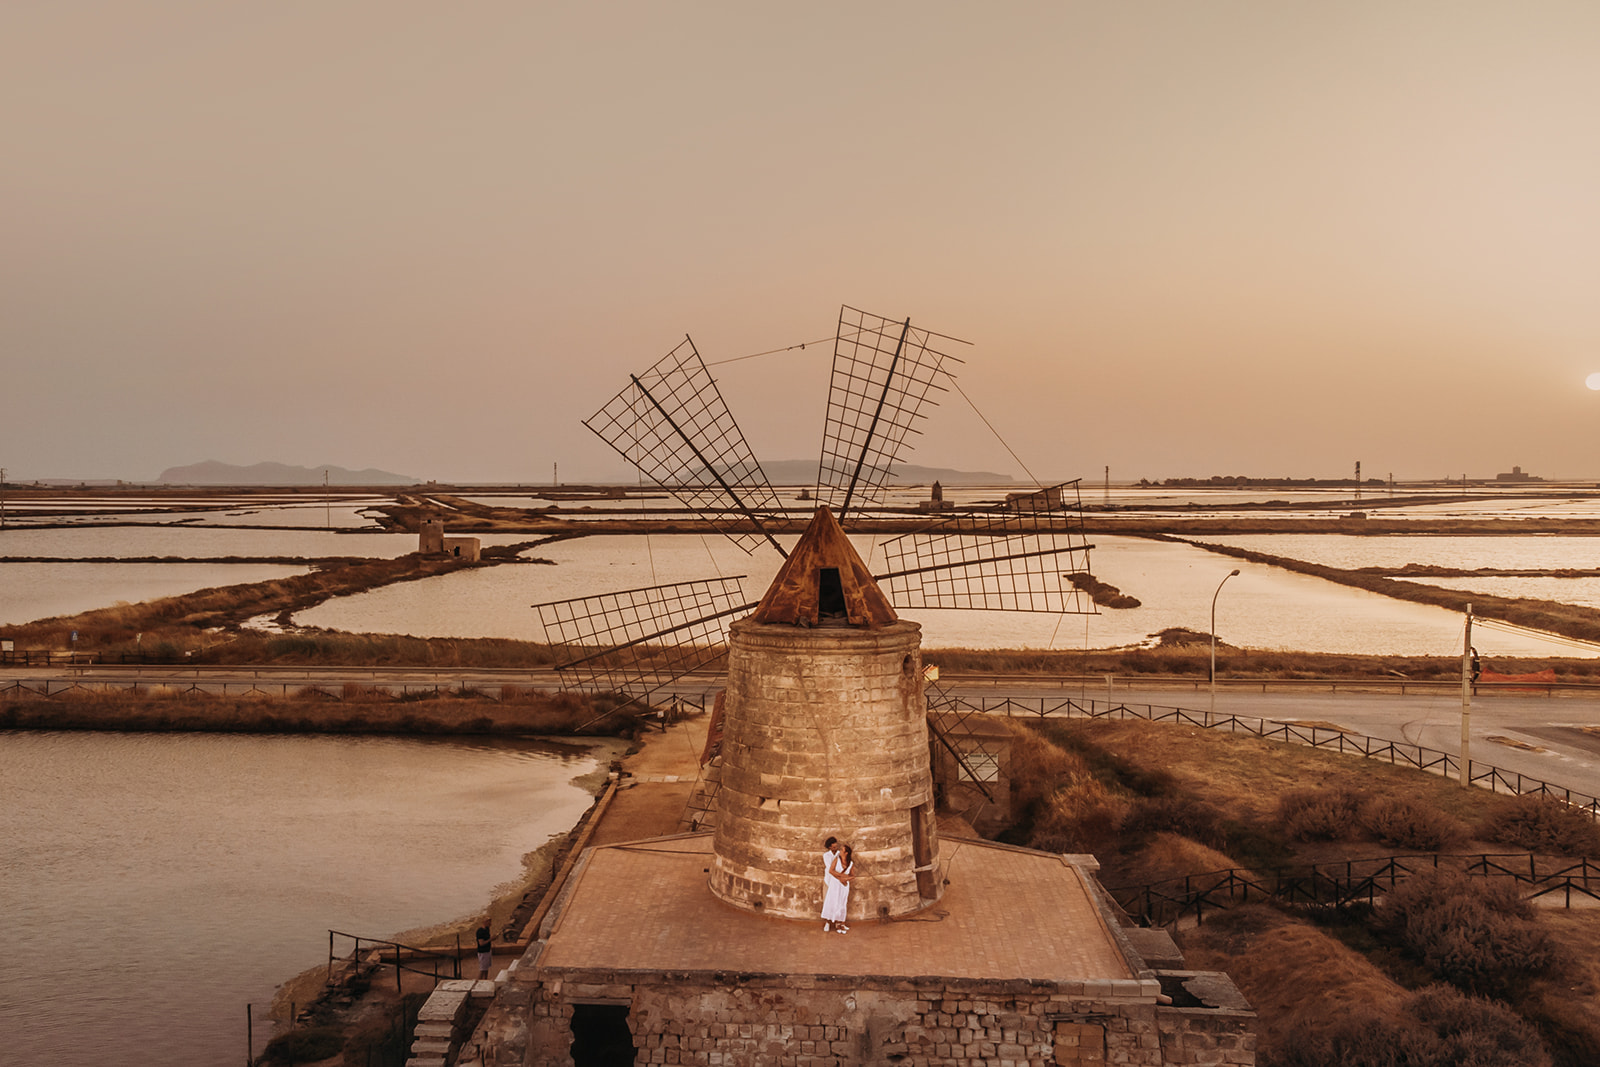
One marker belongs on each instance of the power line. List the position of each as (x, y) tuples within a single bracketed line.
[(768, 352), (1031, 476), (1524, 631)]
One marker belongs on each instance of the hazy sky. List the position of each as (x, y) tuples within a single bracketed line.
[(1185, 238)]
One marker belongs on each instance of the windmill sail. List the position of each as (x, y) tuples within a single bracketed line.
[(883, 374), (1016, 558), (637, 641), (671, 423)]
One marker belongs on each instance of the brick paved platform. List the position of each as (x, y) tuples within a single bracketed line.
[(1007, 914)]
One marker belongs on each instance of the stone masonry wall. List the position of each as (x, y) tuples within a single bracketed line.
[(825, 734), (776, 1021)]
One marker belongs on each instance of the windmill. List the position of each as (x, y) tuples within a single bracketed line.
[(671, 423)]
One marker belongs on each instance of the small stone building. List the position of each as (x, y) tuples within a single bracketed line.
[(431, 541)]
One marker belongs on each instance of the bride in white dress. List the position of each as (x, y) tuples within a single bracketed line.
[(836, 890)]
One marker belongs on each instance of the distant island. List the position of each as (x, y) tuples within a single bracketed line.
[(213, 473), (779, 472)]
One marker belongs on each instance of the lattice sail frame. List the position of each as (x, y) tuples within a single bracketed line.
[(672, 424), (883, 374), (1013, 559), (643, 639), (977, 757)]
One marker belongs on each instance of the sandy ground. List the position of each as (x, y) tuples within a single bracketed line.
[(661, 775)]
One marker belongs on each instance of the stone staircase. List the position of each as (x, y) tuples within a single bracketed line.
[(440, 1023)]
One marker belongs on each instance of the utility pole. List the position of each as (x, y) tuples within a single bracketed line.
[(1358, 479), (1466, 701), (2, 498), (555, 474), (1108, 487), (1214, 596), (327, 502)]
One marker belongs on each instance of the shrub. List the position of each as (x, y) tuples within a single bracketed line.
[(1408, 824), (1082, 811), (1321, 815), (1194, 819), (1438, 1027), (1472, 1030), (1544, 824), (1477, 936)]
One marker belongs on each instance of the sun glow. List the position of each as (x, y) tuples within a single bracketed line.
[(1593, 380)]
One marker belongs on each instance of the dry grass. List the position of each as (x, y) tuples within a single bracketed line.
[(1167, 855), (1248, 776), (1299, 979), (1350, 991)]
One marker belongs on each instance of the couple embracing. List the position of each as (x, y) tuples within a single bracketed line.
[(838, 870)]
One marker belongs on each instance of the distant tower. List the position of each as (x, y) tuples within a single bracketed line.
[(825, 734), (1358, 479), (431, 539)]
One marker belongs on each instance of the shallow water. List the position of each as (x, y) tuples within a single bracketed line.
[(1530, 552), (1262, 608), (32, 591), (1265, 607), (155, 884)]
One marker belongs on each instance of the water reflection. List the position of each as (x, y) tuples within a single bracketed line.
[(156, 883)]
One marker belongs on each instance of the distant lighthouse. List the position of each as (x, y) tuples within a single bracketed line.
[(825, 734)]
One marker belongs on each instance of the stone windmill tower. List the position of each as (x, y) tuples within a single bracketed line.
[(825, 734), (826, 731)]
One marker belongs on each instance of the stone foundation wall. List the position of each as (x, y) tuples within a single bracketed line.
[(795, 1022)]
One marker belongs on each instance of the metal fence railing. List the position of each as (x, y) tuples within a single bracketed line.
[(1346, 882), (1402, 753), (405, 959)]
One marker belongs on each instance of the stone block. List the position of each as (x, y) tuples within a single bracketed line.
[(430, 1046), (443, 1006)]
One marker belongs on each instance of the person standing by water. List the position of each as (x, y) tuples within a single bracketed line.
[(485, 950), (836, 890)]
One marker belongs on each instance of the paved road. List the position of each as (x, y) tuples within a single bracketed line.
[(1552, 738)]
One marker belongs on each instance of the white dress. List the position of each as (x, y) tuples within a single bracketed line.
[(835, 895)]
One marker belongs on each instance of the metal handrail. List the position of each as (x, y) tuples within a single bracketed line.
[(400, 966)]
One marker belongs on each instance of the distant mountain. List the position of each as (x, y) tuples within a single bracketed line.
[(213, 473), (804, 472)]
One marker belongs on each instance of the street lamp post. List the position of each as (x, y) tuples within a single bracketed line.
[(1214, 638)]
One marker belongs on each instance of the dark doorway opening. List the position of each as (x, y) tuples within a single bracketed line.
[(830, 592), (600, 1035)]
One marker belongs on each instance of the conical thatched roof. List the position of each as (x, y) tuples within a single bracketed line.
[(796, 594)]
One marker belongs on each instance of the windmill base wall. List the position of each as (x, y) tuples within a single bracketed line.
[(825, 734), (778, 1021)]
